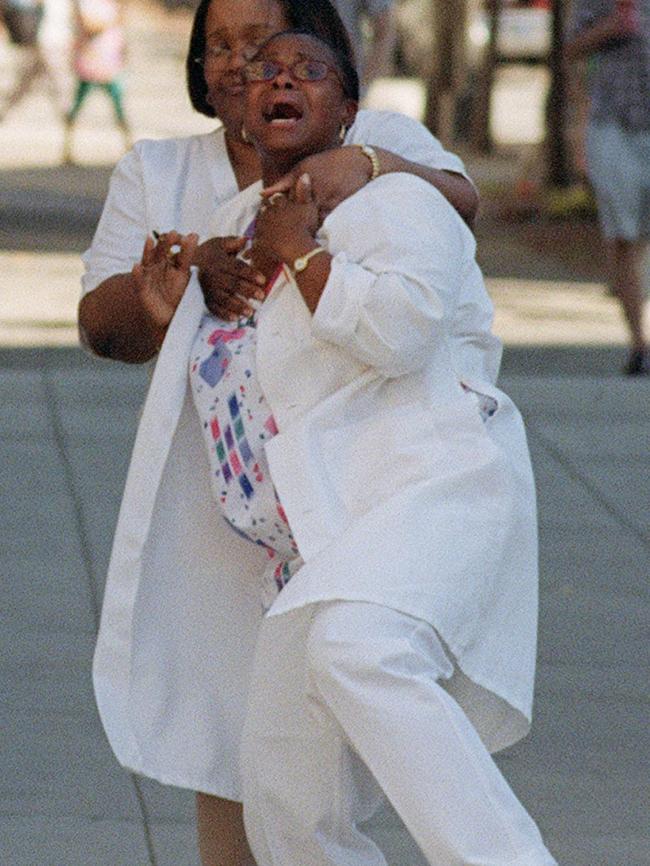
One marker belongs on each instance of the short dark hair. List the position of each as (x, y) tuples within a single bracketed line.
[(316, 18)]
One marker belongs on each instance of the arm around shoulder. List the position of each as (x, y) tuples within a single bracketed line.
[(399, 252), (404, 144)]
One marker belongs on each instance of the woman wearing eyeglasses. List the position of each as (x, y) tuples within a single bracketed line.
[(178, 183), (372, 485), (165, 712)]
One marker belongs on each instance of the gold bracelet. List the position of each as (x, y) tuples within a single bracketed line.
[(371, 153), (302, 261)]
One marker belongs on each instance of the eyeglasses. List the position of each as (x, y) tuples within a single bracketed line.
[(301, 70), (220, 52)]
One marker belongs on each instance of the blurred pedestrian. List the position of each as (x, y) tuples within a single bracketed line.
[(616, 34), (99, 59), (376, 18), (41, 30)]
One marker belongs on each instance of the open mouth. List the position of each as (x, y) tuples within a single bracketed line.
[(282, 114)]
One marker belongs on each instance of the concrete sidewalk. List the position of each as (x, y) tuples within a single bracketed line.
[(66, 428)]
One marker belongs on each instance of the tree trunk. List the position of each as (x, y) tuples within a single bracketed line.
[(448, 66), (480, 135), (558, 170)]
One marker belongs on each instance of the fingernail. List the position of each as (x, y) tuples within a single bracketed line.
[(260, 279), (305, 178), (259, 295)]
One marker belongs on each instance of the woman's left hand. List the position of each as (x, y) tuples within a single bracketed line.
[(285, 226), (335, 175)]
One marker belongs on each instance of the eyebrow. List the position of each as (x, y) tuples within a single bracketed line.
[(253, 30), (300, 55)]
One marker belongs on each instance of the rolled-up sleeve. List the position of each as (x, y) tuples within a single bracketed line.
[(122, 228)]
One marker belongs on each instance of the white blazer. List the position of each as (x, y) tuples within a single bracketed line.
[(396, 491)]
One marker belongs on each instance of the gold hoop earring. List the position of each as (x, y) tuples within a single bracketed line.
[(343, 131)]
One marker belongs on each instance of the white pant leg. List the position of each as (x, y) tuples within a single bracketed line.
[(304, 789), (375, 671), (370, 685)]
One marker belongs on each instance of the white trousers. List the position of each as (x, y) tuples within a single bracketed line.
[(344, 705)]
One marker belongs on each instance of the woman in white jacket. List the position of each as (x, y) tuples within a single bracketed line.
[(385, 484), (185, 184)]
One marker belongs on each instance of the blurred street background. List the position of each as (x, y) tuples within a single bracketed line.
[(67, 422)]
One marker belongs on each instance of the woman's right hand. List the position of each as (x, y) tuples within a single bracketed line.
[(228, 282), (162, 274)]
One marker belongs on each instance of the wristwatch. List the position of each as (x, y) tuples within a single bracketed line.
[(302, 261)]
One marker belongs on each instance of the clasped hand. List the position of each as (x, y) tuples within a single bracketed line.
[(284, 229)]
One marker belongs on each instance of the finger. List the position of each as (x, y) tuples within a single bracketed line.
[(185, 255), (244, 271), (303, 192), (171, 238), (249, 274), (228, 306), (282, 185), (166, 242), (233, 244), (248, 289), (148, 251)]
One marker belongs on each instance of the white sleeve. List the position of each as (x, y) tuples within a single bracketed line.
[(403, 136), (399, 252), (122, 229)]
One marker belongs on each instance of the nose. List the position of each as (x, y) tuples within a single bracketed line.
[(284, 79)]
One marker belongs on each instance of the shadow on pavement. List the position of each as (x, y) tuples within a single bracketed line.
[(53, 208)]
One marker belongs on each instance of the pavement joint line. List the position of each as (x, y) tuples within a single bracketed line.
[(91, 577), (68, 475), (146, 823), (590, 486)]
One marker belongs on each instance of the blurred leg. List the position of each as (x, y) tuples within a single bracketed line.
[(626, 282), (81, 92), (30, 71), (222, 839), (115, 90)]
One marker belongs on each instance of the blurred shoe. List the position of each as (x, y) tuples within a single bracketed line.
[(638, 363)]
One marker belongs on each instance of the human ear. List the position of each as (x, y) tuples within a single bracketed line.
[(349, 112)]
